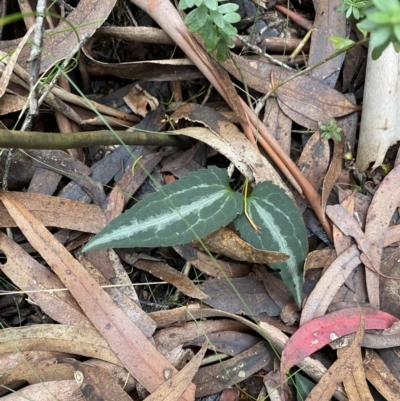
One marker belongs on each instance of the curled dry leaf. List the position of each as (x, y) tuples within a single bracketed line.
[(225, 137), (151, 70), (319, 332)]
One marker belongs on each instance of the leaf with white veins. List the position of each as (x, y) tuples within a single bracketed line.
[(281, 229), (191, 207)]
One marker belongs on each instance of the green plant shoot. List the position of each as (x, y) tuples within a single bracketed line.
[(213, 22)]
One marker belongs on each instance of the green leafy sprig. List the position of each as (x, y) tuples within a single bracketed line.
[(331, 130), (353, 8), (213, 22), (383, 21)]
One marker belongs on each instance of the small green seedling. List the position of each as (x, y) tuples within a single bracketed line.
[(213, 22), (331, 131), (353, 8)]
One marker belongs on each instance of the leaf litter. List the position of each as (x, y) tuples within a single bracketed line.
[(247, 294)]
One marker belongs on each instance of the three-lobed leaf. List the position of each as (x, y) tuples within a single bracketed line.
[(191, 207), (281, 229)]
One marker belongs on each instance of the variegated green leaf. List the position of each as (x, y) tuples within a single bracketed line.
[(281, 229), (197, 204)]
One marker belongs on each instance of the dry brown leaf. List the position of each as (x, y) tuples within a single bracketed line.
[(63, 390), (208, 265), (137, 354), (172, 276), (132, 310), (10, 61), (61, 162), (278, 124), (29, 275), (169, 338), (310, 98), (60, 338), (226, 242), (355, 382), (342, 241), (214, 378), (380, 376), (9, 103), (328, 285), (380, 212), (229, 343), (334, 171), (330, 381), (317, 259), (253, 299), (139, 100), (314, 159), (328, 22), (96, 383), (57, 212), (172, 389)]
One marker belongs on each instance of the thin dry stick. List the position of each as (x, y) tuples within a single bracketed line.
[(35, 57)]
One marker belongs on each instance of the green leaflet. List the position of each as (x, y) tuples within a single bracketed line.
[(197, 204), (282, 229)]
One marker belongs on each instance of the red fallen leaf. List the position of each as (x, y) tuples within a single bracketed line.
[(319, 332)]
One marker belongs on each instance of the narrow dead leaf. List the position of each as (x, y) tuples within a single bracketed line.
[(167, 273), (249, 297), (328, 285), (10, 62), (47, 391), (380, 212), (314, 159), (50, 337), (334, 171), (29, 275), (380, 376), (96, 383), (215, 378), (57, 212), (171, 337), (354, 381)]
